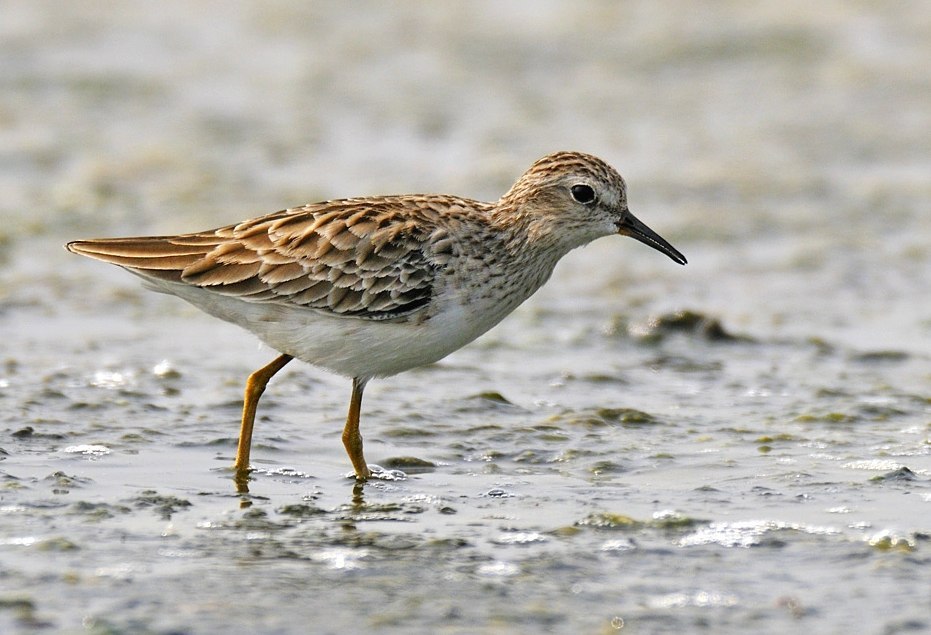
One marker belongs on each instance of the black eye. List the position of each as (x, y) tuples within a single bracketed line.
[(583, 194)]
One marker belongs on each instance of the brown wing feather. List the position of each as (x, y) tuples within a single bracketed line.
[(160, 256), (365, 258)]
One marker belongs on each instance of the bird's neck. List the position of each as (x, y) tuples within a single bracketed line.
[(529, 233)]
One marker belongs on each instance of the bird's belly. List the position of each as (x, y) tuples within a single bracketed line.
[(345, 345), (365, 348), (356, 347)]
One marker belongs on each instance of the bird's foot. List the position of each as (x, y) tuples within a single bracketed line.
[(378, 473)]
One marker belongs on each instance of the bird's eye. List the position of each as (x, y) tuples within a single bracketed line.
[(583, 194)]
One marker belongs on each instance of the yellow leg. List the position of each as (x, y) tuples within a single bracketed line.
[(352, 438), (255, 386)]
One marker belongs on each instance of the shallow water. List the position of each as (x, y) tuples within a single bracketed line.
[(739, 445)]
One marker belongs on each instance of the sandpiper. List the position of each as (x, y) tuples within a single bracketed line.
[(370, 287)]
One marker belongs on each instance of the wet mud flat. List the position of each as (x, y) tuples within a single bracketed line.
[(739, 445), (587, 483)]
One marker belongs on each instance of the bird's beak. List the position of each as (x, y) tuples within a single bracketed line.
[(630, 225)]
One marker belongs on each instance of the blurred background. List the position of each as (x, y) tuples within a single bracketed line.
[(784, 148)]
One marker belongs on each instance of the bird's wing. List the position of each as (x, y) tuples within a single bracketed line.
[(363, 258)]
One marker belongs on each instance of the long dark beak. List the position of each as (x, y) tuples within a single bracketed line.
[(631, 226)]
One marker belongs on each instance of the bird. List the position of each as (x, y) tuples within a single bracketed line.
[(369, 287)]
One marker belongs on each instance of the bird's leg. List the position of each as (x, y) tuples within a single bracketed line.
[(352, 438), (255, 386)]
